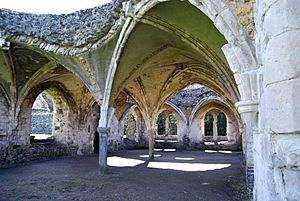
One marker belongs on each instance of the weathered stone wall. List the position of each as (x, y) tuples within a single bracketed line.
[(245, 12), (23, 153), (41, 122), (276, 142), (66, 34), (71, 126), (4, 119), (115, 136), (86, 130)]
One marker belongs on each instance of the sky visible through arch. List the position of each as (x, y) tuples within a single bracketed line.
[(50, 6)]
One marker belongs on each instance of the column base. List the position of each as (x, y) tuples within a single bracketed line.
[(250, 182)]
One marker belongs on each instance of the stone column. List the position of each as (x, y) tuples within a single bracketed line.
[(249, 111), (103, 137), (151, 135), (215, 129)]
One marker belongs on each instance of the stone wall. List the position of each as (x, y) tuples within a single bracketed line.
[(41, 122), (276, 142), (4, 119), (23, 153), (245, 12)]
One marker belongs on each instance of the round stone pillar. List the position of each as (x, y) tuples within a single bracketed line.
[(151, 134), (249, 114), (103, 137)]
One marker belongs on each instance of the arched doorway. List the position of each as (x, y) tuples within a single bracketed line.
[(42, 118), (130, 126)]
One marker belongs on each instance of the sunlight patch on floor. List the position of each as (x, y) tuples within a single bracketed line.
[(169, 150), (116, 161), (158, 149), (221, 151), (184, 159), (147, 156), (189, 167), (210, 151), (226, 152)]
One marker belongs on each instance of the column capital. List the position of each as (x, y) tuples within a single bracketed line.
[(247, 106)]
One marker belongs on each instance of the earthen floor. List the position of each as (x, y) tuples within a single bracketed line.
[(171, 176)]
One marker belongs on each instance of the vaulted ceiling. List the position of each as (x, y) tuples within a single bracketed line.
[(173, 46)]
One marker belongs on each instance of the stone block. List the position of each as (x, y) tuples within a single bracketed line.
[(282, 58), (287, 151), (283, 109), (226, 23), (286, 183), (286, 15)]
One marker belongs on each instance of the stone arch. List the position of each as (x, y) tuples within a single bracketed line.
[(202, 102), (234, 125), (178, 110), (239, 50), (73, 125), (124, 115), (140, 139), (37, 78), (129, 109), (169, 109), (60, 96)]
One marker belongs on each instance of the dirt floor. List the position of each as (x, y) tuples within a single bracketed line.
[(171, 176)]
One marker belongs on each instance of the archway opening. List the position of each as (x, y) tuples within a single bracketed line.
[(42, 118), (130, 127), (172, 124)]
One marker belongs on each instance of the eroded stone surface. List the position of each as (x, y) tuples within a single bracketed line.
[(75, 29)]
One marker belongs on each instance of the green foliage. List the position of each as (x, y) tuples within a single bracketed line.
[(161, 129), (172, 124), (208, 124), (222, 124)]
